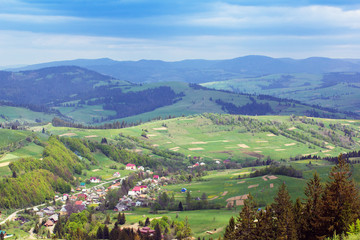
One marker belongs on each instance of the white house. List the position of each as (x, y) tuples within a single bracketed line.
[(130, 166), (141, 168)]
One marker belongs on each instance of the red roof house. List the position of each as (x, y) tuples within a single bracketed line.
[(156, 177)]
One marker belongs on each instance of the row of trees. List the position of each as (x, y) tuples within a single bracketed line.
[(327, 209)]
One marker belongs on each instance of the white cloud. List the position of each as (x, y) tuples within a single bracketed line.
[(27, 18), (234, 16)]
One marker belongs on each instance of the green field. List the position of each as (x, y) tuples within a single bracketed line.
[(12, 114), (305, 88), (199, 136)]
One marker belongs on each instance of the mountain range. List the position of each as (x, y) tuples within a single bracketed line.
[(201, 71)]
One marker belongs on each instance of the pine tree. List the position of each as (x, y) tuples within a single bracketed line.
[(311, 224), (181, 208), (284, 213), (340, 200), (147, 222), (99, 233), (230, 228), (245, 227), (157, 235), (106, 232), (265, 224)]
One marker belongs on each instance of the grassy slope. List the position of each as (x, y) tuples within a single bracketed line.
[(195, 101), (12, 114), (198, 136), (303, 87)]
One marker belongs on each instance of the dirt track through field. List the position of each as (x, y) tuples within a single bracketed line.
[(243, 146), (270, 135), (240, 182), (224, 193), (160, 128), (290, 144), (199, 143), (4, 164), (68, 135), (253, 186), (277, 150), (272, 177), (195, 149), (91, 136)]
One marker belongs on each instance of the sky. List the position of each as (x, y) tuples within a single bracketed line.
[(36, 31)]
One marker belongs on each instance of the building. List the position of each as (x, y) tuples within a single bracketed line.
[(130, 166), (94, 180)]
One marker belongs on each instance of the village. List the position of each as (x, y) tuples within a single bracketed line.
[(82, 198)]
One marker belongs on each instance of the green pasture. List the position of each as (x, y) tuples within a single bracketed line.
[(305, 88), (221, 185), (200, 221), (86, 113), (11, 114), (199, 136), (8, 136)]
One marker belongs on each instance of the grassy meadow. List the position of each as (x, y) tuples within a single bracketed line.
[(199, 136)]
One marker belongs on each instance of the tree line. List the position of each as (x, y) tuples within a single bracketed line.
[(329, 208)]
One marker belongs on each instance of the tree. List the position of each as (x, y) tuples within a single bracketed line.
[(99, 233), (245, 222), (284, 213), (106, 233), (180, 208), (230, 228), (340, 200), (311, 218), (107, 219), (121, 219), (157, 235), (147, 222)]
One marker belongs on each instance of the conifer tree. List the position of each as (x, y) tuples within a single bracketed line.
[(340, 200), (230, 228), (106, 233), (311, 225), (181, 208), (99, 233), (265, 224), (245, 227), (284, 213), (157, 235)]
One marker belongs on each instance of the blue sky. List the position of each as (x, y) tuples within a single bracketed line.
[(34, 31)]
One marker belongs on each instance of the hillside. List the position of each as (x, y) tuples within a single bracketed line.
[(240, 138), (79, 95), (200, 71), (333, 90)]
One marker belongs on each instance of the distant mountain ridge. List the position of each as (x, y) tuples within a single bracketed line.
[(201, 71)]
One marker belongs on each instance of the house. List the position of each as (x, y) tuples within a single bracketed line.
[(217, 162), (117, 174), (120, 207), (196, 165), (40, 214), (226, 161), (94, 180), (82, 184), (156, 177), (202, 164), (54, 218), (49, 223), (35, 209), (130, 166), (138, 204), (141, 168), (65, 196), (63, 211), (183, 190), (147, 231), (79, 203)]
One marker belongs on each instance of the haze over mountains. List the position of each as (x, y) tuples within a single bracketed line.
[(201, 71)]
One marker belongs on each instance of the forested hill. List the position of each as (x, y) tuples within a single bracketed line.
[(83, 96), (200, 71), (55, 84)]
